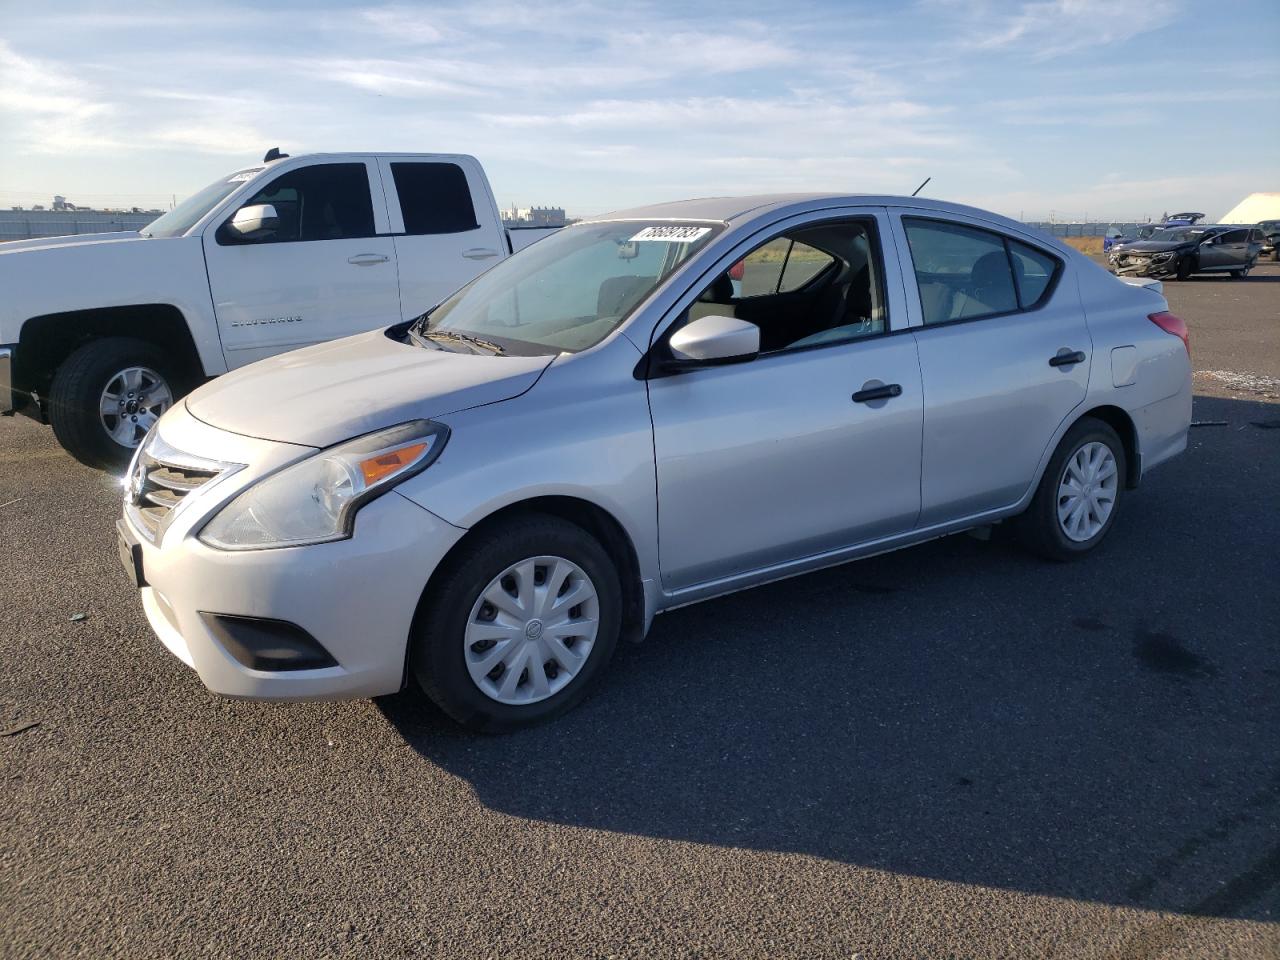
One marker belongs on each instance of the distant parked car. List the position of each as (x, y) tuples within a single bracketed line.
[(1182, 251), (1115, 237), (1270, 230)]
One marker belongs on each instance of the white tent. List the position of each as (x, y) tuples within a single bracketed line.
[(1254, 207)]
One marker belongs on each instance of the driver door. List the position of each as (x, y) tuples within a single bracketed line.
[(328, 269), (773, 460)]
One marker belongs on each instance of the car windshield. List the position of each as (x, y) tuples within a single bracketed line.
[(1175, 235), (188, 213), (564, 293)]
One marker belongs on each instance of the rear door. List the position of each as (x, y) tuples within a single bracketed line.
[(445, 224), (328, 269), (1004, 357)]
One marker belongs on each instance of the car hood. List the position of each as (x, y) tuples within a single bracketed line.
[(1155, 246), (76, 240), (321, 395)]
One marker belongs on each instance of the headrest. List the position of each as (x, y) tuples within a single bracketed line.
[(720, 291)]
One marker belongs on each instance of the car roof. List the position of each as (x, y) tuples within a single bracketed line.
[(733, 210)]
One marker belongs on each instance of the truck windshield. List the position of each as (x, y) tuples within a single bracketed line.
[(567, 292), (186, 214)]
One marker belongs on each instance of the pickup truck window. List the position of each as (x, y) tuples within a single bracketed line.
[(434, 198), (324, 201), (189, 212), (569, 291)]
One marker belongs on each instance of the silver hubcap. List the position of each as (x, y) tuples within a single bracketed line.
[(1087, 491), (131, 403), (531, 630)]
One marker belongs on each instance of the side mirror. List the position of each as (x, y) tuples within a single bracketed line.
[(712, 340), (254, 222)]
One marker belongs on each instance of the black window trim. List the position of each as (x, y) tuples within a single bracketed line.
[(1045, 298), (653, 365), (223, 239)]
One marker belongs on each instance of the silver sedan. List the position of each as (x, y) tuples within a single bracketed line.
[(644, 410)]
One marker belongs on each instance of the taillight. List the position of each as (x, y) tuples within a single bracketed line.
[(1169, 323)]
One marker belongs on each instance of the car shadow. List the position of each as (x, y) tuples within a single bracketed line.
[(1102, 730)]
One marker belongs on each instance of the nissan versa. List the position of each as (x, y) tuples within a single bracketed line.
[(644, 410)]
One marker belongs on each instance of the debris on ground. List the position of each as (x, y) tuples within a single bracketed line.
[(77, 617), (20, 728)]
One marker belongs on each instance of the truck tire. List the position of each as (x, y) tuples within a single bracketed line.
[(107, 394)]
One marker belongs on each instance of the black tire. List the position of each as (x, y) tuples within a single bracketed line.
[(436, 646), (1239, 274), (76, 394), (1038, 527), (1185, 268)]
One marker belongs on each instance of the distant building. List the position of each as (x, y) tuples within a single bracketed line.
[(64, 219), (534, 217)]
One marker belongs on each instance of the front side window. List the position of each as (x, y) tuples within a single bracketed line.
[(1235, 236), (567, 292), (964, 273), (434, 198), (813, 286), (325, 201)]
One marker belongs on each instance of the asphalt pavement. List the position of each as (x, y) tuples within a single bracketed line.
[(952, 751)]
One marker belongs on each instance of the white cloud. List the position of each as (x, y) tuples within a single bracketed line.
[(1048, 28)]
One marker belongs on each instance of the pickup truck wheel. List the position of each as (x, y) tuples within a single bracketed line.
[(1078, 497), (518, 626), (105, 397)]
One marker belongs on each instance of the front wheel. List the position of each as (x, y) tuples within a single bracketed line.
[(106, 395), (519, 626), (1079, 494), (1185, 268)]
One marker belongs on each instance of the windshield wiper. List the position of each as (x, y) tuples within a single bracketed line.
[(468, 339)]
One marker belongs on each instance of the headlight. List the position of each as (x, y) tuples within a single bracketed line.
[(316, 500)]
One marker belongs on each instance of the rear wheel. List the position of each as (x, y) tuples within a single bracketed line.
[(1240, 274), (1076, 503), (107, 394), (520, 626)]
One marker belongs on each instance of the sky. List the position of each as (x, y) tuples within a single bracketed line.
[(1110, 109)]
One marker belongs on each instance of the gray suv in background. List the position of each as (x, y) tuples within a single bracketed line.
[(1181, 251)]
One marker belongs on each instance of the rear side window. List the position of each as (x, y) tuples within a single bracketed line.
[(325, 201), (434, 198), (964, 273)]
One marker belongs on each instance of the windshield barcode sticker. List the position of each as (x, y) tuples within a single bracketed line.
[(675, 233)]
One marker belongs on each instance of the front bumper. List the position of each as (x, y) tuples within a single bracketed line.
[(7, 402), (356, 598), (1143, 266)]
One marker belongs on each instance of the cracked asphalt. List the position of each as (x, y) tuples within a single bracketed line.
[(951, 751)]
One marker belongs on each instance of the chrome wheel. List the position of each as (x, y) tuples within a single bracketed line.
[(133, 400), (531, 630), (1087, 491)]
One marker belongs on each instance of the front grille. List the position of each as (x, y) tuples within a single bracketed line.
[(159, 482)]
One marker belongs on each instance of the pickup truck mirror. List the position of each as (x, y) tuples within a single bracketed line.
[(714, 340), (254, 222)]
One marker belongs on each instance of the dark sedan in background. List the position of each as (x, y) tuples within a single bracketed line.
[(1180, 252)]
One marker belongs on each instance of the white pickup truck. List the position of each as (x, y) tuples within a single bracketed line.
[(99, 334)]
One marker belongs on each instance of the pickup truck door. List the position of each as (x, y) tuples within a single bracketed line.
[(445, 224), (327, 270)]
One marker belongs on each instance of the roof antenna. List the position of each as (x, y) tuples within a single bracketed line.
[(275, 154), (921, 187)]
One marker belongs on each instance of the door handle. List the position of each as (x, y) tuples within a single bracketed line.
[(1066, 359), (479, 253), (882, 392), (368, 259)]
